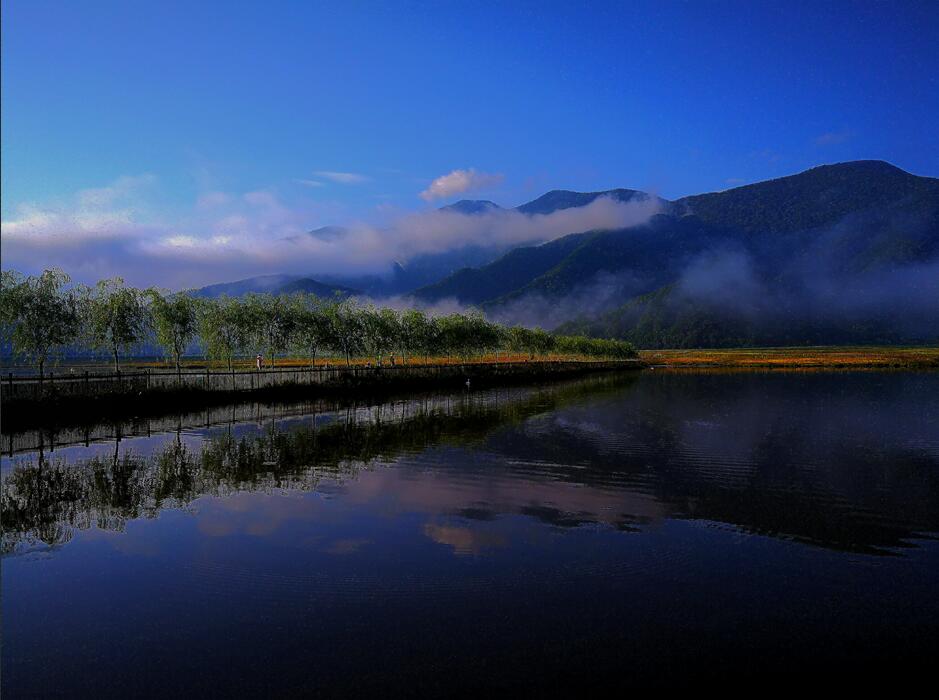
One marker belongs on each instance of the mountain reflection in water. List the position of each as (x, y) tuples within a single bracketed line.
[(601, 485)]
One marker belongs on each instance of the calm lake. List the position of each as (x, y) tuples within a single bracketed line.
[(655, 528)]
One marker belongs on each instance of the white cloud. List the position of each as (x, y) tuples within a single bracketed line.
[(180, 241), (258, 233), (127, 186), (341, 178), (100, 214), (458, 181), (308, 183)]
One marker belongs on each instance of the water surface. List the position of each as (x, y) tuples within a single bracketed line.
[(655, 529)]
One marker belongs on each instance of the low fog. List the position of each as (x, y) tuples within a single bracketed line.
[(103, 236), (841, 278)]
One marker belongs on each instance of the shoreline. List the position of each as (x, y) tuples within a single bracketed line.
[(80, 399), (28, 404)]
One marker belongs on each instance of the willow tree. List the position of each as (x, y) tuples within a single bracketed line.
[(313, 328), (481, 336), (225, 327), (116, 317), (174, 321), (415, 333), (534, 342), (347, 328), (272, 321), (381, 330), (38, 314)]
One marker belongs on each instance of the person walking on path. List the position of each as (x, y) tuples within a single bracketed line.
[(259, 358)]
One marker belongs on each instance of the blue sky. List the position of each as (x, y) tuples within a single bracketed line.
[(180, 121)]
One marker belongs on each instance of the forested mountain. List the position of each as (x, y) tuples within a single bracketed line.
[(274, 284), (838, 253), (510, 272)]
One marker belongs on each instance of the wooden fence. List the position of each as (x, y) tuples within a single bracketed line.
[(86, 385)]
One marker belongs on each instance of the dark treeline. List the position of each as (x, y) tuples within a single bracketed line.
[(44, 315)]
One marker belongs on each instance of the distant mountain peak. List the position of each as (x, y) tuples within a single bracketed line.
[(865, 165), (471, 206), (556, 200), (274, 284), (328, 233)]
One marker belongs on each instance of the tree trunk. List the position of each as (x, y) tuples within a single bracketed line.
[(117, 366), (42, 361)]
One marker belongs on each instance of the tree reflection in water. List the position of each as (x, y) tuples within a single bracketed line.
[(801, 457)]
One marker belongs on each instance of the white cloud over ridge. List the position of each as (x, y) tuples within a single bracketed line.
[(458, 182), (227, 236)]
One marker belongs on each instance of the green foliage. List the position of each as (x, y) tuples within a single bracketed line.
[(271, 322), (348, 329), (115, 317), (313, 324), (594, 347), (38, 314), (381, 330), (175, 320), (225, 327), (416, 333)]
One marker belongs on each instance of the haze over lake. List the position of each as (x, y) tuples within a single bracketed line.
[(612, 530)]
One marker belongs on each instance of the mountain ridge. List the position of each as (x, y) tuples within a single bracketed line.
[(777, 252)]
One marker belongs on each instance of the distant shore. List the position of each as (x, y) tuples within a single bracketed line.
[(834, 357)]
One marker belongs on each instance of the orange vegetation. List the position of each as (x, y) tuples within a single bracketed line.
[(286, 362), (835, 357)]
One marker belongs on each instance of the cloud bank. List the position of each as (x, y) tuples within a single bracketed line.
[(112, 231), (458, 182)]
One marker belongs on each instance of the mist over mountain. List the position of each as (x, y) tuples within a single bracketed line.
[(430, 246), (557, 200), (843, 253), (838, 253), (275, 284)]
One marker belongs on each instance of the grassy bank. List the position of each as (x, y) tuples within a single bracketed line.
[(801, 357)]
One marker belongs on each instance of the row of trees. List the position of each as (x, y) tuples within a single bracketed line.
[(45, 314)]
